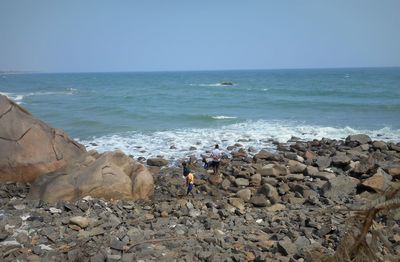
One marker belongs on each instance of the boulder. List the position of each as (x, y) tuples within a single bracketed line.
[(311, 171), (341, 160), (323, 162), (340, 187), (244, 194), (241, 182), (215, 179), (111, 175), (274, 170), (380, 145), (270, 192), (324, 175), (260, 201), (296, 167), (29, 147), (355, 140), (379, 181), (265, 155), (255, 180), (157, 162)]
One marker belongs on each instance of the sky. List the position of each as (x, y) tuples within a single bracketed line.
[(173, 35)]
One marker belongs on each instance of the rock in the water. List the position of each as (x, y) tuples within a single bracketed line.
[(111, 175), (30, 148)]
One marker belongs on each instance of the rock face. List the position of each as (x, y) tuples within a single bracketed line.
[(111, 175), (30, 148)]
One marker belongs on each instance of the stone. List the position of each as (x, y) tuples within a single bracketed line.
[(296, 167), (341, 160), (394, 171), (242, 182), (270, 192), (226, 184), (215, 179), (311, 171), (274, 170), (30, 148), (259, 201), (244, 194), (265, 155), (295, 177), (255, 180), (357, 139), (157, 162), (112, 175), (324, 175), (379, 182), (237, 202), (323, 162), (290, 155), (286, 247), (340, 187), (82, 222), (380, 145), (117, 244)]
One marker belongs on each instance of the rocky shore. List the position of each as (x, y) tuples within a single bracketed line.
[(288, 205)]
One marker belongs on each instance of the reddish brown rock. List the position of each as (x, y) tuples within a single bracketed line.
[(29, 147), (112, 175)]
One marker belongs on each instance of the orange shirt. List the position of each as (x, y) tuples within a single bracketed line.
[(190, 178)]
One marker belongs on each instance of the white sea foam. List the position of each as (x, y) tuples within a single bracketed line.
[(18, 97), (223, 117), (176, 144)]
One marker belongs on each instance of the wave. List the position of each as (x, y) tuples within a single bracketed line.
[(213, 84), (181, 143), (223, 117), (18, 97)]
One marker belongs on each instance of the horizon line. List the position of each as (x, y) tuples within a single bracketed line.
[(189, 70)]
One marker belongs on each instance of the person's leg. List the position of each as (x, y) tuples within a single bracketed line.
[(189, 189)]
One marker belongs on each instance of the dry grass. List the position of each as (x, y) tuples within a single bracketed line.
[(366, 239)]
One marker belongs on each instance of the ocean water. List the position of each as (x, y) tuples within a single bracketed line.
[(167, 113)]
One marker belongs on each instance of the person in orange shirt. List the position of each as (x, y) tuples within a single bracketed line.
[(189, 178)]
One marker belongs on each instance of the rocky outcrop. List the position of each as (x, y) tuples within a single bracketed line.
[(30, 148), (111, 175)]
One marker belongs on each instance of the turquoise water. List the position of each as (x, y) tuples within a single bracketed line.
[(146, 113)]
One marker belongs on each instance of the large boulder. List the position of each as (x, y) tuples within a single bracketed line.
[(30, 148), (111, 175), (359, 139)]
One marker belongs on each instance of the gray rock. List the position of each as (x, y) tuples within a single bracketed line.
[(341, 160), (157, 162), (274, 170), (380, 145), (324, 175), (323, 162), (260, 201), (244, 194), (311, 171), (242, 182), (286, 247), (255, 180), (225, 184), (358, 139), (270, 192), (340, 187)]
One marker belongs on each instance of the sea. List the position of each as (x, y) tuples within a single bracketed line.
[(179, 114)]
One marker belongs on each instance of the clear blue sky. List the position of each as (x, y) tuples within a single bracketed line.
[(87, 35)]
